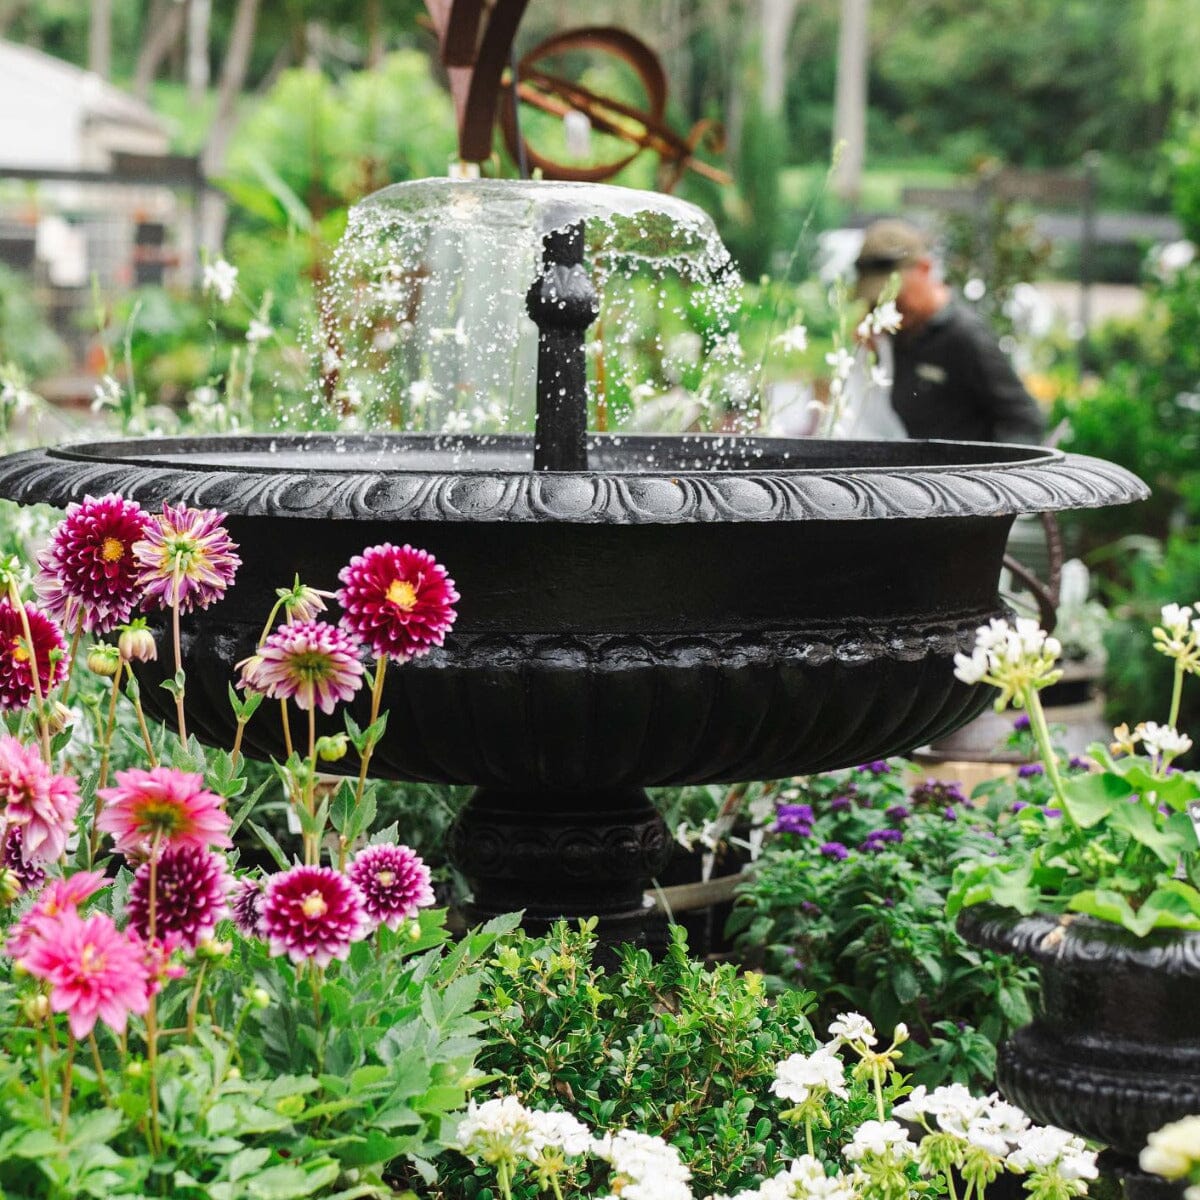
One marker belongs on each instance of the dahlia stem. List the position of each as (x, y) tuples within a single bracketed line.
[(270, 621), (180, 678), (312, 848), (101, 1079), (287, 729), (368, 749), (68, 1070), (44, 1072), (39, 699), (152, 1011), (109, 726), (236, 752), (141, 717), (72, 653), (194, 1002)]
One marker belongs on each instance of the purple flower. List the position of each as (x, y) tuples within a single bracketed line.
[(312, 913), (189, 894), (840, 804), (1052, 814), (1021, 723), (1030, 770), (898, 813), (1019, 804), (394, 882), (1075, 763), (878, 767), (809, 909), (246, 906), (311, 662), (185, 558), (936, 793), (888, 902), (950, 815), (794, 818), (835, 850), (877, 839)]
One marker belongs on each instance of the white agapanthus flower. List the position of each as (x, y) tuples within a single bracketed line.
[(220, 278), (793, 340), (853, 1027), (258, 331), (801, 1075), (879, 1138)]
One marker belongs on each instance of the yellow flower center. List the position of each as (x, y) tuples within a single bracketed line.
[(386, 878), (91, 959), (112, 550), (313, 905), (19, 653), (403, 595)]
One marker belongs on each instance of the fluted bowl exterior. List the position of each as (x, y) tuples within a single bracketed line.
[(691, 610), (1114, 1052)]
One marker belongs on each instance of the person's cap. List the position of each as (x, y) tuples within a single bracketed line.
[(888, 246)]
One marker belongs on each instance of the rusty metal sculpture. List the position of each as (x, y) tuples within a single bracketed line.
[(476, 40)]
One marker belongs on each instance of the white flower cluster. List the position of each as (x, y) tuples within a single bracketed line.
[(644, 1167), (802, 1076), (879, 1138), (793, 340), (805, 1179), (1174, 1153), (1016, 658), (1178, 635), (1003, 1131), (883, 318), (220, 278)]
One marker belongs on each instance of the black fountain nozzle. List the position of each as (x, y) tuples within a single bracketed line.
[(562, 303)]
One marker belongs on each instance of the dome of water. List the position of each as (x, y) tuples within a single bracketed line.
[(423, 323)]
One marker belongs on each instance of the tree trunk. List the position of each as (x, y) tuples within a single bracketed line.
[(375, 40), (163, 27), (199, 16), (233, 79), (100, 38), (776, 27), (850, 102)]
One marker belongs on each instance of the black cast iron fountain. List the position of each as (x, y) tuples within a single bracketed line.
[(636, 610)]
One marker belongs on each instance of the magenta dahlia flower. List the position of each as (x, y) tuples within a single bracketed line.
[(88, 571), (398, 600), (186, 559), (311, 662), (164, 804), (312, 914), (190, 890), (94, 970), (16, 679), (394, 882), (246, 906), (30, 876), (35, 800)]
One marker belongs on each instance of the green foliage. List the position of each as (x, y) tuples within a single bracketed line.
[(753, 236), (672, 1049), (26, 338), (870, 932)]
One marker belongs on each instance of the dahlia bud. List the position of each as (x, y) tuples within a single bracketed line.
[(58, 716), (10, 886), (211, 949), (137, 643), (104, 659), (301, 602), (331, 749), (233, 1073), (260, 998), (36, 1008), (135, 1068)]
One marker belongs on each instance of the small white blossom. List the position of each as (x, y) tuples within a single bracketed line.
[(879, 377), (842, 362), (793, 340), (456, 423), (853, 1027), (421, 392), (1043, 1149), (259, 331), (883, 318), (1173, 1150), (879, 1138), (1162, 741), (220, 278), (800, 1076), (644, 1167), (107, 394), (1014, 658), (561, 1130), (500, 1130)]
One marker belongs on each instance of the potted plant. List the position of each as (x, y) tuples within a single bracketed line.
[(1100, 891)]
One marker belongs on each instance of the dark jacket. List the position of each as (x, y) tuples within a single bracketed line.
[(952, 380)]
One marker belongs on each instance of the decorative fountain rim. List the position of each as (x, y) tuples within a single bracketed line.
[(1032, 479)]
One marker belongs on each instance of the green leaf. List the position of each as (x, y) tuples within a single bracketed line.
[(1091, 798), (1167, 841), (272, 846)]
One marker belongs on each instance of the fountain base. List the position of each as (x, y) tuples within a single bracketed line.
[(564, 855)]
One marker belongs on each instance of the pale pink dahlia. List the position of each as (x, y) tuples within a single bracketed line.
[(190, 890), (35, 799), (57, 897), (186, 559), (88, 570), (94, 970), (398, 600), (311, 662), (312, 914), (394, 883), (16, 679), (172, 806)]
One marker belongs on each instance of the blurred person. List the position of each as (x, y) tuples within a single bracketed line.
[(950, 379)]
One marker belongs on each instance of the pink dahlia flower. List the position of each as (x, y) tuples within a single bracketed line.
[(398, 600), (88, 570), (186, 559), (35, 799), (190, 890), (312, 914), (172, 806), (16, 679), (311, 662), (57, 897), (394, 883), (94, 970)]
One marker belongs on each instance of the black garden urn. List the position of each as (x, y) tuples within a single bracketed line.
[(636, 610)]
